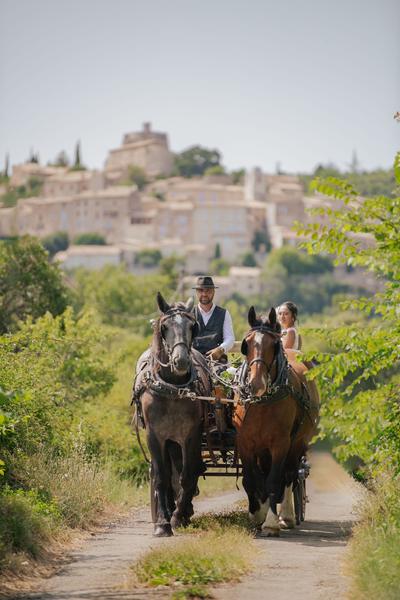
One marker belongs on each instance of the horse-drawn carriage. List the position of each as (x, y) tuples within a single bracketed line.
[(259, 430)]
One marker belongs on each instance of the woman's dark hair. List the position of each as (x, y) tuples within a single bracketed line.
[(292, 307)]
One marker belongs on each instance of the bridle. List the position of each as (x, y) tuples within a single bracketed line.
[(264, 329), (170, 350)]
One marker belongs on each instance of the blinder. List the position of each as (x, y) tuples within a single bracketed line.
[(244, 347)]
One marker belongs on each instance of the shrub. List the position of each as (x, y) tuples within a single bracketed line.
[(29, 285), (90, 239)]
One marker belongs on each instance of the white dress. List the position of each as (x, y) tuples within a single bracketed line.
[(296, 345)]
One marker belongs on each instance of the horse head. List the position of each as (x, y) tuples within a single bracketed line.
[(260, 347), (176, 329)]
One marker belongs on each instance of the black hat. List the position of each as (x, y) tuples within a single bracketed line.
[(204, 281)]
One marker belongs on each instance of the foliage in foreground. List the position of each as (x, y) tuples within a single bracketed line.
[(52, 476), (360, 375), (374, 552)]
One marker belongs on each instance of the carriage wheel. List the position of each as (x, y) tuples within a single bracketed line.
[(153, 498), (300, 499)]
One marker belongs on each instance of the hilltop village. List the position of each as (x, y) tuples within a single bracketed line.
[(196, 218)]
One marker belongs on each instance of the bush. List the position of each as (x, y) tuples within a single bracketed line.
[(374, 559), (54, 363), (56, 242), (90, 239), (148, 258), (27, 522), (137, 176), (121, 299), (29, 285)]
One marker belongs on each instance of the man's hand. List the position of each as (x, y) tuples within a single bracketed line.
[(216, 353)]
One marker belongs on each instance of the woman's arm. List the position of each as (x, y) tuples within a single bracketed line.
[(289, 339)]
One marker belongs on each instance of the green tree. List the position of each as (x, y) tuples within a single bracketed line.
[(297, 262), (238, 176), (5, 175), (32, 188), (90, 239), (122, 299), (56, 242), (29, 285), (136, 175), (216, 170), (217, 253), (196, 160), (78, 165), (171, 267), (219, 266), (148, 258), (248, 260), (61, 160), (360, 376), (261, 239)]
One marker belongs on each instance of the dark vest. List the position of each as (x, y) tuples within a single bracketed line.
[(211, 335)]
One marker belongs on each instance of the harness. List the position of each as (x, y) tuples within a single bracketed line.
[(276, 390)]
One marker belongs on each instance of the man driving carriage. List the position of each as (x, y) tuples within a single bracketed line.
[(215, 337)]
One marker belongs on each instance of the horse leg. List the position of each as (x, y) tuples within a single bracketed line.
[(287, 517), (257, 509), (275, 487), (192, 467), (175, 457), (162, 528)]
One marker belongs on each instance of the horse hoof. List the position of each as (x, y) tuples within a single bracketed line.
[(163, 530), (287, 524), (269, 532), (179, 522)]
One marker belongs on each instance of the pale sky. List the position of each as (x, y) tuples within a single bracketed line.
[(298, 82)]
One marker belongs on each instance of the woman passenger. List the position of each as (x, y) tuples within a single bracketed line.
[(287, 316)]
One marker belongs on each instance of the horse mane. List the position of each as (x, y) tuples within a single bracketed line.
[(157, 345)]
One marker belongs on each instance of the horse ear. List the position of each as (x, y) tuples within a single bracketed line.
[(162, 304), (244, 348), (252, 317), (189, 304), (272, 316)]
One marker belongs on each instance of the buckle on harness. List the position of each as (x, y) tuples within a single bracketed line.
[(183, 392)]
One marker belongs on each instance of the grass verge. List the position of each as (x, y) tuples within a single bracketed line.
[(374, 552), (219, 548)]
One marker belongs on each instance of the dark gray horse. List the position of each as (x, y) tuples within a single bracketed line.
[(166, 374)]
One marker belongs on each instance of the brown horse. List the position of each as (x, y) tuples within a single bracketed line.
[(275, 419)]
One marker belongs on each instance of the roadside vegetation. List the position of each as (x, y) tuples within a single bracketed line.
[(67, 453), (359, 373), (219, 548)]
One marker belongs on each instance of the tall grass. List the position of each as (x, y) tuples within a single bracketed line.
[(374, 552)]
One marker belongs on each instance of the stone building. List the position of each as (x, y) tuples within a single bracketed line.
[(25, 171), (197, 212), (108, 212), (146, 149)]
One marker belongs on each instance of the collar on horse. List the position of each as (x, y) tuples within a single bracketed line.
[(170, 390)]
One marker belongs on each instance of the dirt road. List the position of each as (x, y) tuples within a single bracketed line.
[(304, 563)]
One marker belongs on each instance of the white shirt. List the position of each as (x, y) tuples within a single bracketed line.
[(229, 336)]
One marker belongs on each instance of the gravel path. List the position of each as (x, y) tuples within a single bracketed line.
[(302, 563)]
